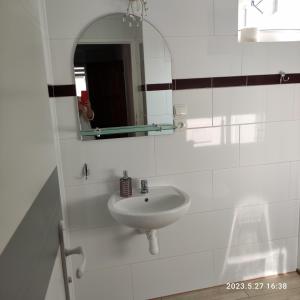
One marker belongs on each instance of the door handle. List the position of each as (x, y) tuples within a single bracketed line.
[(78, 251)]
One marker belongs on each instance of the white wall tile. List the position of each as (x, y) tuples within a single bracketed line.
[(191, 19), (111, 246), (106, 284), (157, 70), (107, 159), (216, 56), (284, 57), (87, 205), (254, 261), (197, 149), (280, 102), (154, 43), (255, 59), (297, 101), (173, 275), (192, 233), (197, 185), (270, 58), (239, 105), (226, 17), (295, 180), (230, 228), (251, 185), (242, 105), (67, 117), (255, 224), (61, 26), (158, 103), (268, 143), (73, 159), (199, 106), (62, 59)]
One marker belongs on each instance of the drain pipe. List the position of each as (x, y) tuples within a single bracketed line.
[(153, 241)]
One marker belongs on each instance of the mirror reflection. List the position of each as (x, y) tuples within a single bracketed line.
[(123, 78)]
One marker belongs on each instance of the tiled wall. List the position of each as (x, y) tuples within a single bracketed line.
[(238, 161)]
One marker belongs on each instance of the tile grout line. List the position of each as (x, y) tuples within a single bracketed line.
[(162, 258), (198, 171), (240, 129), (71, 230), (66, 90), (155, 156), (214, 18), (212, 107), (73, 138), (132, 285)]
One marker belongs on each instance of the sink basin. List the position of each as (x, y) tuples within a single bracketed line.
[(160, 207)]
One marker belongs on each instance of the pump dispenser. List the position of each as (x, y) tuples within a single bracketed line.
[(125, 185)]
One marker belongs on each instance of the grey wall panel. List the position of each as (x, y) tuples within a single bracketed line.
[(27, 261)]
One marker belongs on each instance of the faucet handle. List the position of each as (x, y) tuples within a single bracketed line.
[(144, 186), (144, 183)]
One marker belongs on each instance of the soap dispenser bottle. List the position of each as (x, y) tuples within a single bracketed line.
[(125, 185)]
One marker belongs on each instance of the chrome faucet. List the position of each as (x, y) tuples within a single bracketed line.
[(144, 187)]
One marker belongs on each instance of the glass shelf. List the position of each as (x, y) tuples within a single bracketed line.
[(127, 129)]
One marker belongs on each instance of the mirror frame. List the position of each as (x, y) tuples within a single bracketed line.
[(97, 132)]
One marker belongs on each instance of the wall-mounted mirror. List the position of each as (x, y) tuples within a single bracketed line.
[(123, 80)]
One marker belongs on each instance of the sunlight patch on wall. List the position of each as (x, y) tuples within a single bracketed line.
[(269, 20)]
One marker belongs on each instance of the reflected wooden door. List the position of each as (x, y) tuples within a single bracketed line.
[(106, 86)]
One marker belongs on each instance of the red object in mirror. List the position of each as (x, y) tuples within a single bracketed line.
[(84, 97)]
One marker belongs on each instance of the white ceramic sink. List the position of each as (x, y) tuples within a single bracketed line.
[(160, 207)]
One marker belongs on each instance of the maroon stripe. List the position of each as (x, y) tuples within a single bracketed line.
[(62, 90), (173, 84), (159, 86), (263, 79), (229, 81), (193, 83), (50, 91), (293, 78)]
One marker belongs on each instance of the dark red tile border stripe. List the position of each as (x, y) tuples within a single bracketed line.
[(159, 86), (294, 78), (193, 83), (263, 79), (62, 90), (50, 91), (156, 87), (229, 81)]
